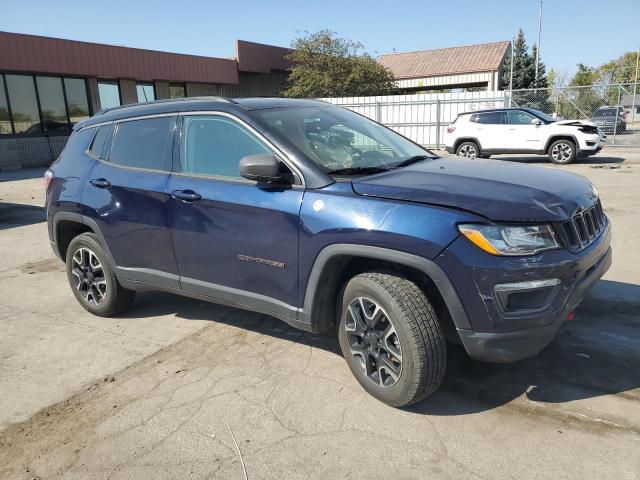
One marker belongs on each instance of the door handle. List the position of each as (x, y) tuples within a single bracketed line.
[(100, 182), (188, 196)]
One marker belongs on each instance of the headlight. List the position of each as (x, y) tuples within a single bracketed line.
[(510, 239)]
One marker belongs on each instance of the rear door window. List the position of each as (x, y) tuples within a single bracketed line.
[(144, 143), (490, 118)]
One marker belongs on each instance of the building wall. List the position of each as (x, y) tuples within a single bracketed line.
[(256, 85), (449, 81)]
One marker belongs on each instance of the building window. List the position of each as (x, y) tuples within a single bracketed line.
[(24, 104), (52, 105), (109, 92), (177, 90), (5, 120), (146, 92), (31, 104), (77, 100)]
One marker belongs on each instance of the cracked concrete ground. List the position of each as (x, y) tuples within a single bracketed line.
[(162, 391)]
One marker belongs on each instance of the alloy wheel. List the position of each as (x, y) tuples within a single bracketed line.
[(468, 151), (561, 152), (89, 276), (373, 341)]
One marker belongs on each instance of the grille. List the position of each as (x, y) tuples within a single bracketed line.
[(584, 227)]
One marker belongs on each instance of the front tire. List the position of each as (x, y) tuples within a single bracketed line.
[(391, 339), (92, 278), (468, 150), (562, 152)]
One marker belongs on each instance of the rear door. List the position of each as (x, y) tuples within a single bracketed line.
[(490, 129), (233, 239), (522, 134), (126, 196)]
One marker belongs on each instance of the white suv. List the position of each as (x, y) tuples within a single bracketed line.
[(521, 130)]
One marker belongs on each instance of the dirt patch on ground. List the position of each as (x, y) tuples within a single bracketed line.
[(41, 266)]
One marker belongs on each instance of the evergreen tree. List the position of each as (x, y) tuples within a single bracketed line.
[(524, 67)]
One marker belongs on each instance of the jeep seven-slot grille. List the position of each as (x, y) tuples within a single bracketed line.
[(584, 227)]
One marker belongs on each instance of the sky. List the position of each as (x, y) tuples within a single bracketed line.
[(573, 31)]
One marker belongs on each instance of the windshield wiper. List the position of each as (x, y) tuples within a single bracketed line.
[(358, 171), (412, 160)]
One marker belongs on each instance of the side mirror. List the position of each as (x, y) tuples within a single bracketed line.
[(536, 121), (263, 168)]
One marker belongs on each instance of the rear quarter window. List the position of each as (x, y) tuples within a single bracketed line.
[(98, 145)]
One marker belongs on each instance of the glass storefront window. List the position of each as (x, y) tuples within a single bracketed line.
[(145, 92), (54, 112), (177, 90), (24, 106), (5, 121), (109, 94), (77, 101)]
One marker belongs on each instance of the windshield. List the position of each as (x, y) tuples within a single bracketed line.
[(338, 139), (542, 115), (605, 112)]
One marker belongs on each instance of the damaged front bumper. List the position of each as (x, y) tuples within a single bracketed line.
[(517, 321)]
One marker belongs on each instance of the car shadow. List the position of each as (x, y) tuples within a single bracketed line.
[(21, 174), (17, 215), (542, 159), (596, 354)]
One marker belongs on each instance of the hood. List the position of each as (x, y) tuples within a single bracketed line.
[(575, 123), (500, 191)]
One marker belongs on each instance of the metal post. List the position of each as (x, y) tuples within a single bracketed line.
[(635, 87), (437, 123), (538, 44), (557, 101), (615, 125), (511, 75)]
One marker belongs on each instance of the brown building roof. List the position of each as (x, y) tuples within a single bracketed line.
[(36, 54), (446, 61)]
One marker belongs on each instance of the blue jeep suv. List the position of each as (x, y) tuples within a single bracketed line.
[(325, 219)]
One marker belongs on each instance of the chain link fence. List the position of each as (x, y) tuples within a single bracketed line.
[(424, 117), (615, 108)]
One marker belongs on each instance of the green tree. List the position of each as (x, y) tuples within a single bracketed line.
[(620, 70), (524, 66), (325, 65)]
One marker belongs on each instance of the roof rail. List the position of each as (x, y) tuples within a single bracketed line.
[(167, 100)]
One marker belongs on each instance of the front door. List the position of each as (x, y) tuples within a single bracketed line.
[(233, 239), (125, 196), (522, 134)]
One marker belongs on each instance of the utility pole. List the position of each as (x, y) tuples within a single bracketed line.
[(635, 87), (511, 75), (538, 44)]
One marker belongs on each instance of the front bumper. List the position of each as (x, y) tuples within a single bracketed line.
[(505, 336)]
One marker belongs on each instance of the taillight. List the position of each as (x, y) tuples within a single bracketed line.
[(451, 128), (48, 176)]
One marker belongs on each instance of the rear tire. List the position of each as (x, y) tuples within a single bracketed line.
[(92, 278), (468, 150), (391, 339), (562, 152)]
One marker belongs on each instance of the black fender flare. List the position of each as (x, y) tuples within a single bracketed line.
[(89, 222), (559, 136), (466, 139), (428, 267)]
